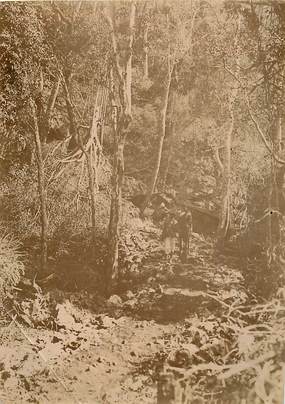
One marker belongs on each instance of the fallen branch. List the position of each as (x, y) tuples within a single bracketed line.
[(47, 279), (240, 367)]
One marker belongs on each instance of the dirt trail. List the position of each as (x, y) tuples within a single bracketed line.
[(98, 359), (100, 371)]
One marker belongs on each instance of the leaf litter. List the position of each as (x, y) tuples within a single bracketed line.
[(85, 349)]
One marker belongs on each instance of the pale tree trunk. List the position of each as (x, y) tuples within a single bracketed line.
[(225, 210), (91, 187), (279, 141), (121, 119), (218, 173), (162, 127), (116, 205), (162, 124), (145, 49), (164, 107), (170, 140), (41, 188), (92, 159)]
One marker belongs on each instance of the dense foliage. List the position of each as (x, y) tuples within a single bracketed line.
[(111, 110)]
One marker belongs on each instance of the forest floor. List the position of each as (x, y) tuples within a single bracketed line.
[(112, 352)]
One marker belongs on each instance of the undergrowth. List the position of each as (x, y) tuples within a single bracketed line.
[(11, 262)]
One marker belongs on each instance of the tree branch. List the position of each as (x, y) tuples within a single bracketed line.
[(77, 10), (217, 159), (60, 13), (109, 15), (260, 132), (52, 99)]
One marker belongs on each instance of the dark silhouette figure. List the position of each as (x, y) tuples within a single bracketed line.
[(184, 229)]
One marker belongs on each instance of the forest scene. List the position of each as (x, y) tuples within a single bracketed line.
[(142, 202)]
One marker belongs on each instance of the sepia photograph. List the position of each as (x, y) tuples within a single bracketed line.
[(142, 202)]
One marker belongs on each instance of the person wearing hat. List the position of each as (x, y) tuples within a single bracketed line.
[(169, 234)]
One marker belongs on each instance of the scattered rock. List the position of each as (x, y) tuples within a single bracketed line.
[(130, 294), (73, 345), (114, 300), (65, 318), (131, 303), (55, 339), (5, 375), (108, 321), (51, 380)]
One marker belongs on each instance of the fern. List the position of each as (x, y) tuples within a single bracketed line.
[(11, 262)]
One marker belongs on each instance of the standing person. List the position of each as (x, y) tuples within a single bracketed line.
[(184, 229), (169, 235)]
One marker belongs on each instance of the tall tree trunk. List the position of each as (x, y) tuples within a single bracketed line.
[(91, 155), (225, 211), (164, 107), (41, 188), (120, 125), (162, 121), (122, 65), (41, 120)]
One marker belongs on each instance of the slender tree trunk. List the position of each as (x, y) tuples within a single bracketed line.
[(41, 188), (44, 114), (279, 134), (41, 120), (225, 212), (71, 115), (116, 205), (170, 139), (169, 157), (163, 112), (269, 254), (145, 49), (162, 120), (50, 105), (91, 187)]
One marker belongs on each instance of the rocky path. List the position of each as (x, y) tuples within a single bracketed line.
[(111, 357)]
